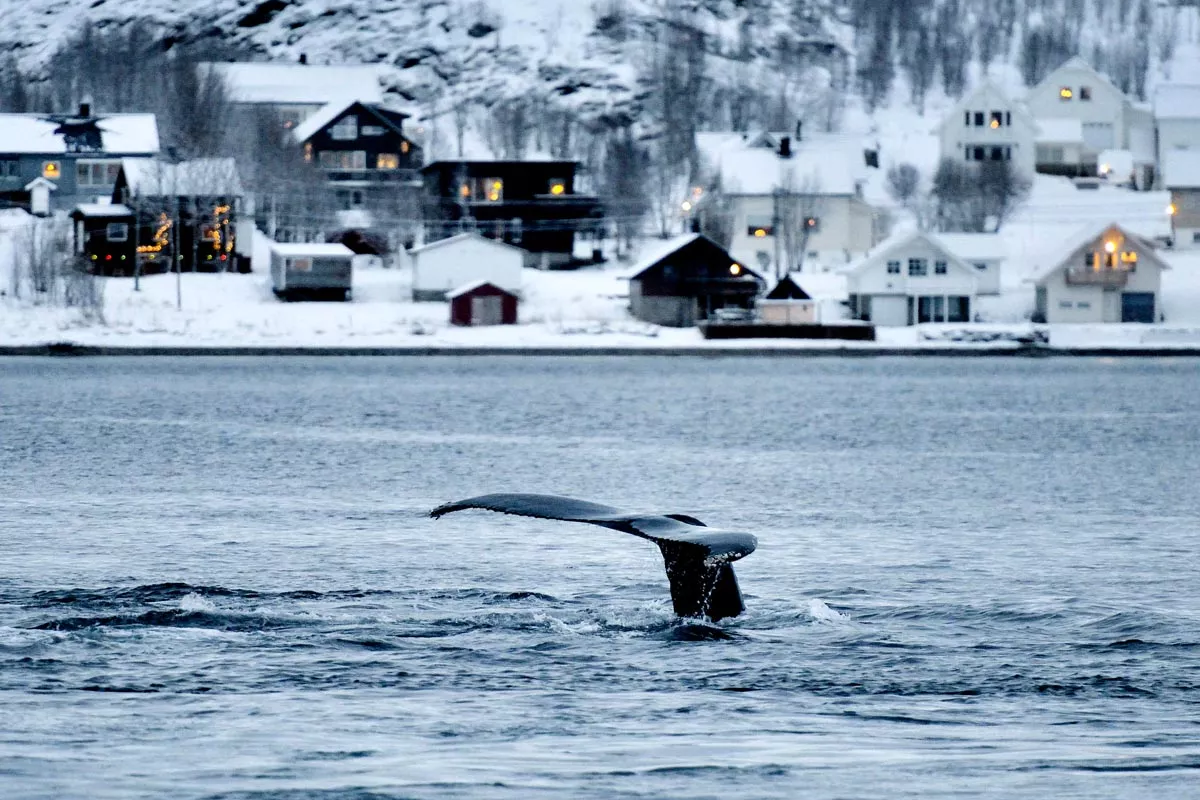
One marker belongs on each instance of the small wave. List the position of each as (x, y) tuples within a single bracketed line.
[(177, 592), (173, 618), (822, 613)]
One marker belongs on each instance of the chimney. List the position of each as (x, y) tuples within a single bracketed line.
[(85, 108), (304, 58), (799, 128), (785, 147)]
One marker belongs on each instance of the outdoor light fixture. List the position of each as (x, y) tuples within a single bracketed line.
[(735, 269), (686, 206), (1171, 209), (1110, 247)]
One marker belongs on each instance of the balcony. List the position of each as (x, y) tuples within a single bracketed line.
[(334, 175), (1111, 277)]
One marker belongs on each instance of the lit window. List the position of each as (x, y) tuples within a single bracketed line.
[(117, 232), (51, 169), (464, 190), (759, 227), (893, 267), (1085, 93), (343, 159), (387, 161), (997, 120), (346, 129), (918, 266), (404, 147), (308, 151), (494, 188), (558, 186), (813, 224), (1065, 93), (939, 268), (372, 130)]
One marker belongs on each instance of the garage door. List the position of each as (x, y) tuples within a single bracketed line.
[(1137, 307), (889, 310)]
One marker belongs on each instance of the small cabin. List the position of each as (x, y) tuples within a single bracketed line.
[(686, 279), (442, 266), (104, 237), (787, 304), (482, 303), (317, 271)]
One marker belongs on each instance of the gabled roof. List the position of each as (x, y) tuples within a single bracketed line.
[(202, 177), (673, 245), (903, 238), (787, 289), (40, 181), (467, 288), (120, 134), (1084, 235), (308, 84), (1076, 62), (970, 102), (820, 164), (1181, 169), (331, 111), (462, 237), (1177, 101)]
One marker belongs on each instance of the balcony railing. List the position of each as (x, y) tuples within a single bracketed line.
[(1087, 276)]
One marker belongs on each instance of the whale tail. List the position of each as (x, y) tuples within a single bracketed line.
[(697, 558)]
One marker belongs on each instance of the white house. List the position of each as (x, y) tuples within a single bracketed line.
[(1105, 274), (1108, 120), (911, 277), (1180, 175), (988, 125), (1176, 121), (296, 91), (443, 266), (985, 252), (792, 199)]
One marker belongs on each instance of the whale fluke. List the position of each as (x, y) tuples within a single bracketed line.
[(698, 558)]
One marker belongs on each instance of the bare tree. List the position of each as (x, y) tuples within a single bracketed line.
[(798, 207), (975, 198), (903, 181)]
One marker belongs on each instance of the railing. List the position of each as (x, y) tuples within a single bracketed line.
[(1086, 276)]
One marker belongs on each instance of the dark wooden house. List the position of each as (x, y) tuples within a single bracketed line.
[(688, 278), (187, 211), (364, 153), (482, 303), (103, 235), (530, 204)]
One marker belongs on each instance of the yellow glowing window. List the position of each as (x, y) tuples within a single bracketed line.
[(495, 189), (387, 161), (404, 147), (308, 151), (465, 190), (558, 186), (760, 233), (1129, 257), (1065, 93), (51, 169)]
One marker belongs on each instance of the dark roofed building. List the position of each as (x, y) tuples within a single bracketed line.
[(686, 279)]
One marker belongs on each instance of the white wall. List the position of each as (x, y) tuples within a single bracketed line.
[(449, 266), (955, 134), (847, 225), (1091, 303), (873, 278), (1106, 106)]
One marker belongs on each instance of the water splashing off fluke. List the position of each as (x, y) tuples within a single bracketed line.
[(698, 559)]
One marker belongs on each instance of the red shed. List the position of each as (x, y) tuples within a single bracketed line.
[(482, 303)]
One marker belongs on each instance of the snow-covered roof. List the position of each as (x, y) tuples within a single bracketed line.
[(472, 286), (315, 249), (974, 246), (972, 100), (102, 210), (120, 134), (201, 176), (1059, 130), (328, 113), (1083, 235), (1181, 169), (462, 237), (902, 238), (660, 251), (1076, 62), (820, 165), (1177, 101), (309, 84)]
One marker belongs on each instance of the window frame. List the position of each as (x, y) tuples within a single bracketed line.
[(340, 131), (121, 227), (940, 267), (918, 267), (893, 267)]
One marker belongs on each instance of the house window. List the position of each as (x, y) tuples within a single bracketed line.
[(967, 118), (404, 146), (1064, 303), (1008, 118), (371, 130), (978, 119), (558, 186), (1065, 93), (10, 168), (1083, 304), (387, 161), (998, 154), (997, 119), (939, 268), (813, 224), (918, 266), (893, 267), (289, 118), (981, 266), (96, 173), (343, 159), (299, 264), (1129, 259), (977, 153), (117, 232), (1048, 154), (492, 189), (346, 128), (308, 151), (1085, 93), (759, 227), (1196, 237), (51, 170)]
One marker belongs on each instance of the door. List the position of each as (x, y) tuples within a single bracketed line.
[(1137, 307), (487, 310), (887, 310)]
